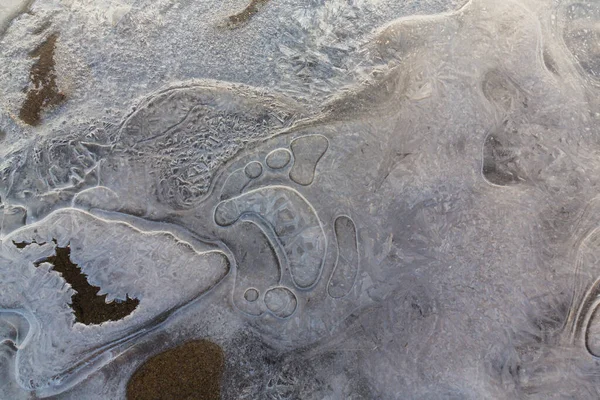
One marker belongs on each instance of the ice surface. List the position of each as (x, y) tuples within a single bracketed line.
[(9, 9), (355, 199), (51, 353)]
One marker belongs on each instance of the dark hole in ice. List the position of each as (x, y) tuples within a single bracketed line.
[(549, 62), (501, 162), (44, 91), (243, 16), (21, 245), (191, 371), (88, 306)]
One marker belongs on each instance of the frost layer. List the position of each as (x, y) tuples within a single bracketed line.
[(428, 231)]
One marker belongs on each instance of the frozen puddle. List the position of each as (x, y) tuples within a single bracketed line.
[(332, 200)]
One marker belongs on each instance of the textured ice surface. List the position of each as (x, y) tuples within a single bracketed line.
[(355, 199), (55, 348), (9, 9)]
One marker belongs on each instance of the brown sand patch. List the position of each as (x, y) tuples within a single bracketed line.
[(242, 17), (89, 308), (45, 92), (192, 371)]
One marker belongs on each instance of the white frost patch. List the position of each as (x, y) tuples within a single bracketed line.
[(9, 9)]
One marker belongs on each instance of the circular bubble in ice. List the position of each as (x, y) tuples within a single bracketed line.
[(278, 158), (281, 302), (251, 295), (253, 169)]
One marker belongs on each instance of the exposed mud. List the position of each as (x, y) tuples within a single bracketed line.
[(44, 92), (244, 16), (192, 371), (88, 306)]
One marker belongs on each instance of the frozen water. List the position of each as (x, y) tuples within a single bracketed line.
[(355, 199), (9, 9), (55, 348)]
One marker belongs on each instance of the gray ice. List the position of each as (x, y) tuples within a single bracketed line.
[(356, 199)]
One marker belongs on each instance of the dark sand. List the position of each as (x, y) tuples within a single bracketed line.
[(242, 17), (192, 371), (89, 308), (44, 93)]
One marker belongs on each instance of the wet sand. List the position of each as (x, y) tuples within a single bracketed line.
[(44, 92), (248, 12), (192, 371), (89, 308)]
